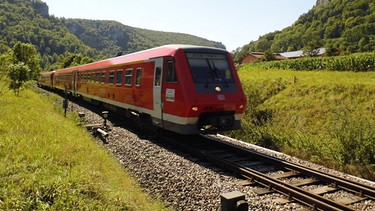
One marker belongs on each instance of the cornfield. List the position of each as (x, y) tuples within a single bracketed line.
[(357, 63)]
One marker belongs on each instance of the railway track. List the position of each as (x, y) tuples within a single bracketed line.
[(295, 182)]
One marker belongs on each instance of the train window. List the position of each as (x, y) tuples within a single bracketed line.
[(111, 77), (157, 77), (138, 76), (128, 77), (88, 77), (102, 80), (210, 68), (119, 77), (171, 73), (93, 78), (97, 77)]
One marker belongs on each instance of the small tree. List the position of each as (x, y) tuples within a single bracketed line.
[(27, 54), (332, 51), (312, 42), (18, 74), (268, 56), (25, 66)]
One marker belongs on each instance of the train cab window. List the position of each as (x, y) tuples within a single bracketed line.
[(138, 76), (210, 68), (128, 77), (111, 77), (119, 77), (157, 76), (102, 79), (171, 76)]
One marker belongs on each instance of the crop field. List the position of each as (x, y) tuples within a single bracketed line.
[(361, 62), (327, 117)]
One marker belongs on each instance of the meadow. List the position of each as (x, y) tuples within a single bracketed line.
[(48, 162), (327, 117)]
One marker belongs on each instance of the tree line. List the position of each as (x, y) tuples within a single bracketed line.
[(342, 27), (29, 22), (21, 65)]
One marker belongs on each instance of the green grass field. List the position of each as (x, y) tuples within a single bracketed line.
[(47, 162), (326, 117)]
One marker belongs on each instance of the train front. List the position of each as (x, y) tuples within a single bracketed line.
[(214, 98)]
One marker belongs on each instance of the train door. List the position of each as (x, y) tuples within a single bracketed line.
[(74, 83), (52, 80), (157, 95)]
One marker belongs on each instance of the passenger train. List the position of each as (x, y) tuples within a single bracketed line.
[(181, 88)]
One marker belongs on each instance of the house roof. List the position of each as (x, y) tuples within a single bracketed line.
[(259, 55), (297, 54)]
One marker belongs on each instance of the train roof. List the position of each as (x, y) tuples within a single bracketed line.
[(141, 56), (47, 73)]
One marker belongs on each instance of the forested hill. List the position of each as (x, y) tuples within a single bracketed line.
[(111, 37), (341, 26), (29, 21)]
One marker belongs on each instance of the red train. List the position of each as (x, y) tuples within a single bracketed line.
[(182, 88)]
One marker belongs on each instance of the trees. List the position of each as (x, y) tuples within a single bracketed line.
[(27, 54), (18, 74), (23, 66), (268, 56), (344, 26), (75, 59)]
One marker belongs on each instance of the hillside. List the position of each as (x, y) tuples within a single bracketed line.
[(340, 26), (30, 22), (112, 37)]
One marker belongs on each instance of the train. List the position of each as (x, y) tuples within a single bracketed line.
[(185, 89)]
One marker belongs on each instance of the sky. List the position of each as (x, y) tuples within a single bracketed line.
[(233, 23)]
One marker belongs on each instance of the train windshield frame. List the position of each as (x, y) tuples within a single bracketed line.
[(208, 68)]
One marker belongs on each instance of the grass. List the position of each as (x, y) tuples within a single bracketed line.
[(47, 162), (323, 116)]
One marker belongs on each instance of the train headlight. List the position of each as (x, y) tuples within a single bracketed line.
[(218, 89), (242, 106), (195, 108)]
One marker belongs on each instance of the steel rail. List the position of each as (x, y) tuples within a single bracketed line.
[(293, 192), (209, 148), (348, 185)]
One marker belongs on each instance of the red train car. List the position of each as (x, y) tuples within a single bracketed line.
[(46, 79), (182, 88)]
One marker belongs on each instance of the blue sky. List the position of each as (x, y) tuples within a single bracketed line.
[(234, 23)]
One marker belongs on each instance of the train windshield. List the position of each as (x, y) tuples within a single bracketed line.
[(210, 68)]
